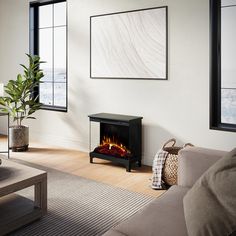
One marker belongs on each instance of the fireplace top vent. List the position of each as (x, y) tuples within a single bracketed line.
[(113, 117)]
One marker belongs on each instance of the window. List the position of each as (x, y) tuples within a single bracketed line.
[(48, 39), (223, 68)]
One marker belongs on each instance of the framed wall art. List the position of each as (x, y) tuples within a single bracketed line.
[(130, 45)]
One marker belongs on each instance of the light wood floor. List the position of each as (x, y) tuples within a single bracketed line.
[(77, 163)]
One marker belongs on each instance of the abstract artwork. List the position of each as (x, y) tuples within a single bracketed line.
[(129, 45)]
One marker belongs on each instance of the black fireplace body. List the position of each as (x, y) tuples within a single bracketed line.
[(125, 130)]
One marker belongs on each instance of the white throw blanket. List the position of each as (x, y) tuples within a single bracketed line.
[(158, 164)]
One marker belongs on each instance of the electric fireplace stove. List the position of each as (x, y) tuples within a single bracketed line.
[(120, 139)]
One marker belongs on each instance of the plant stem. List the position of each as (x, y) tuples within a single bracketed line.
[(17, 115)]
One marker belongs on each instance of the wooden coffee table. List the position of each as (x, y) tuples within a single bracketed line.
[(16, 210)]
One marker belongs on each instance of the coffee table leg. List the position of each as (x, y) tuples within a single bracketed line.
[(40, 195)]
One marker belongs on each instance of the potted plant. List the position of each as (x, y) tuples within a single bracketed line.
[(21, 102)]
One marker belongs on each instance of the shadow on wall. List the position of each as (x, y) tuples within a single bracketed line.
[(154, 136), (78, 108)]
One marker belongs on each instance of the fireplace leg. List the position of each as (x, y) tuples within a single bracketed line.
[(139, 163), (128, 167)]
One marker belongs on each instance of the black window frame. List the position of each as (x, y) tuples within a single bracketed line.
[(215, 69), (34, 44)]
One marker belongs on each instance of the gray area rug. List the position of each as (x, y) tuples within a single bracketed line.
[(79, 206)]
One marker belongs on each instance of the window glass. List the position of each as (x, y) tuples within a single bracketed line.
[(46, 50), (60, 54), (228, 106), (228, 58), (60, 14), (228, 2), (45, 16), (60, 94), (46, 93)]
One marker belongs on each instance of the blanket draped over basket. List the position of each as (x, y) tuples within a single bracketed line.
[(158, 163)]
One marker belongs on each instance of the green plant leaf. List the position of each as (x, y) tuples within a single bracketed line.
[(20, 101), (30, 117)]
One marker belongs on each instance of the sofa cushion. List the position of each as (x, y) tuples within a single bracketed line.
[(162, 217), (193, 162), (210, 205)]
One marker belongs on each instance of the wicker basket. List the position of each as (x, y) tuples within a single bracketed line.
[(170, 169)]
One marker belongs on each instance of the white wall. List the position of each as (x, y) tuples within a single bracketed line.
[(176, 108), (13, 41)]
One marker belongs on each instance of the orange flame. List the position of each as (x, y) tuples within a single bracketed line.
[(112, 146), (113, 142)]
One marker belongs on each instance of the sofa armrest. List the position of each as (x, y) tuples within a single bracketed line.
[(193, 162)]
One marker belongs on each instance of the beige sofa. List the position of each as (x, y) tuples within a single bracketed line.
[(165, 215)]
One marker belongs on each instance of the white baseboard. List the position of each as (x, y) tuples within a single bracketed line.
[(60, 141)]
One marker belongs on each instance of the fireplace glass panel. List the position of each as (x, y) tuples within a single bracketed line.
[(113, 141), (117, 133)]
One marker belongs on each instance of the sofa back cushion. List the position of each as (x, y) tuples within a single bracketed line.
[(210, 205), (193, 162)]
